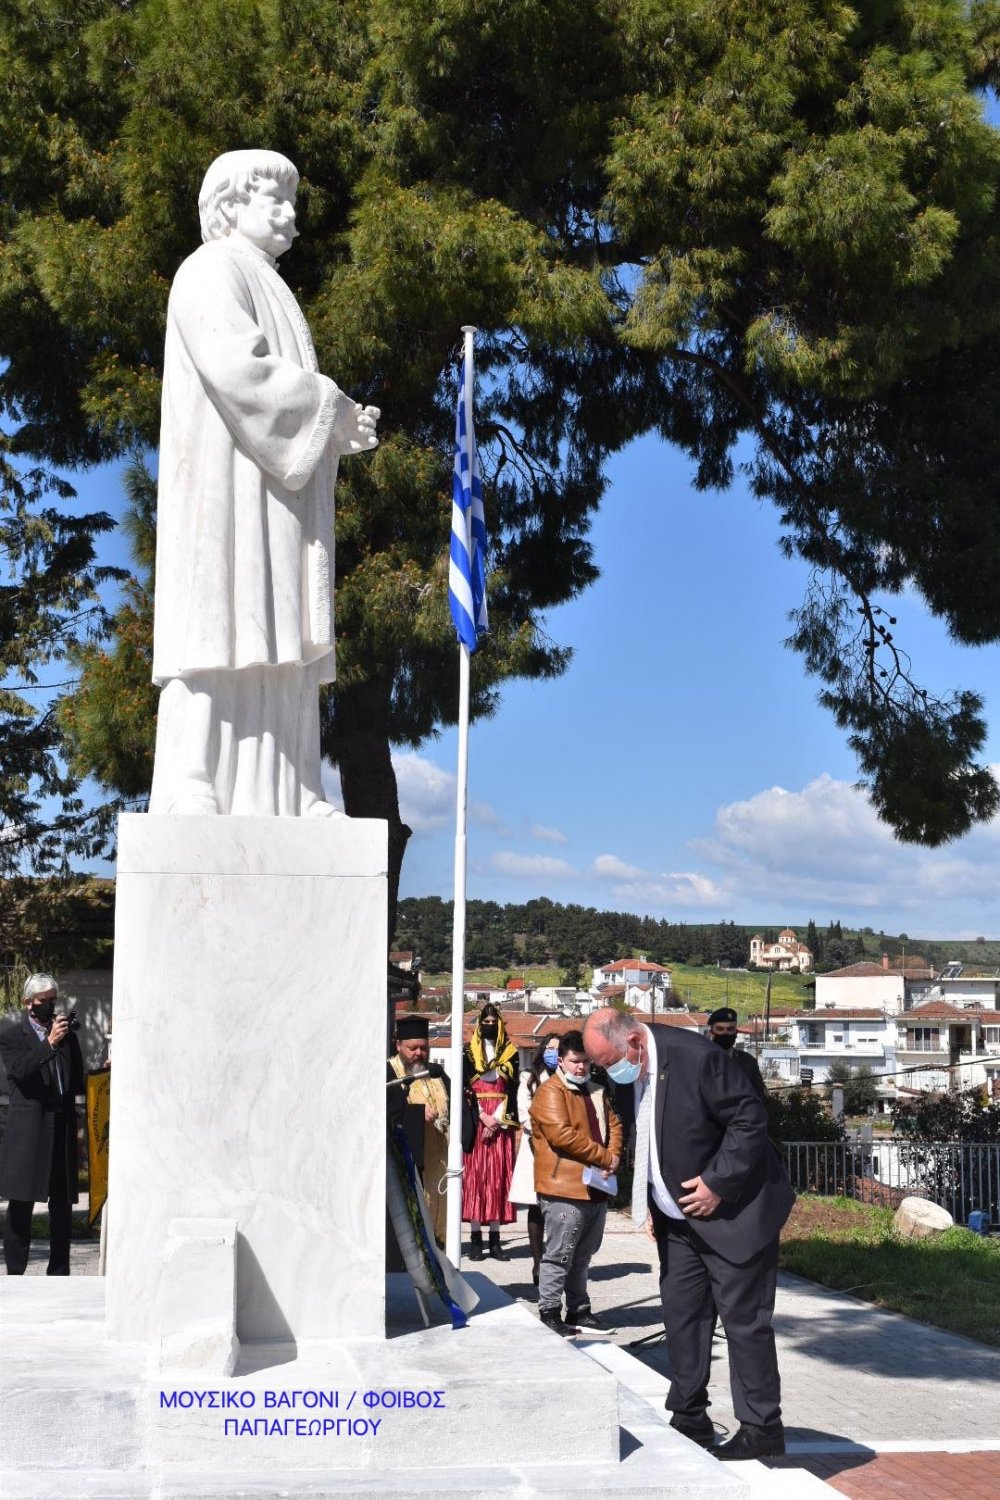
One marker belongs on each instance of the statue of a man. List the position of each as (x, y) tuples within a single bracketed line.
[(249, 444)]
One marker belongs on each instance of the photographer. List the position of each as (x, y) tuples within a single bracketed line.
[(38, 1157)]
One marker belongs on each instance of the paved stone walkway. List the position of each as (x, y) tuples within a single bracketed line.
[(874, 1403)]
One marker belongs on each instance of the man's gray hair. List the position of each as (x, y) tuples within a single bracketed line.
[(38, 984), (231, 179), (614, 1026)]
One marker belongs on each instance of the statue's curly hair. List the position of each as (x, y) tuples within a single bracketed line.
[(231, 179)]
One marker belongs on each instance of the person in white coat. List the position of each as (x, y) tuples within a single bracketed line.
[(522, 1184), (250, 438)]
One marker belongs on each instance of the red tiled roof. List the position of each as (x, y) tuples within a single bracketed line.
[(942, 1008), (868, 969), (865, 970), (665, 1018), (634, 963), (822, 1013)]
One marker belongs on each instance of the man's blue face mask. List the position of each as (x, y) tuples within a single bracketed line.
[(624, 1071)]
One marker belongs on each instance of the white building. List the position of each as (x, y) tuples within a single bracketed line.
[(929, 1047), (818, 1038), (953, 1046), (641, 984), (787, 953), (862, 986)]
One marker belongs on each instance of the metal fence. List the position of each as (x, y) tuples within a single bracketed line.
[(961, 1177)]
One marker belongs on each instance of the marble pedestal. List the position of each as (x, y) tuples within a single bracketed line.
[(247, 1081), (522, 1413)]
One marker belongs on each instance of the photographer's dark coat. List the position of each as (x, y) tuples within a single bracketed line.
[(26, 1152)]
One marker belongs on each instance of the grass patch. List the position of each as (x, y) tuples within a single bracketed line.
[(952, 1281), (705, 988), (494, 979), (79, 1228), (702, 987)]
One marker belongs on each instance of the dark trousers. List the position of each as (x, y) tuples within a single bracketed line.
[(17, 1228), (694, 1284)]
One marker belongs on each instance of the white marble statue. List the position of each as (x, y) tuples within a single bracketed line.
[(250, 438)]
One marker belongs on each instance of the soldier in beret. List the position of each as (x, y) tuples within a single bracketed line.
[(722, 1030)]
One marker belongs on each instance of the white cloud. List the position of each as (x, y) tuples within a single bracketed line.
[(426, 792), (610, 867), (427, 795), (823, 847), (532, 866), (548, 835), (687, 889)]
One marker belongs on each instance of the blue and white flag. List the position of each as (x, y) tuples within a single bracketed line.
[(467, 568)]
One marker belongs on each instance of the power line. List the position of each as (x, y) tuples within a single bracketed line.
[(898, 1072)]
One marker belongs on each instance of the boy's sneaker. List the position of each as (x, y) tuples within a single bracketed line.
[(552, 1318)]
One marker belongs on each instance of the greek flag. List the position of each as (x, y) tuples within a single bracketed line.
[(467, 568)]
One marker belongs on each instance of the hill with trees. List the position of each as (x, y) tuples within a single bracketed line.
[(574, 938)]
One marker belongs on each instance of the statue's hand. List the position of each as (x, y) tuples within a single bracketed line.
[(356, 427)]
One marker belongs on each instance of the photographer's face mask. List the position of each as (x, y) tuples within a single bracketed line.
[(43, 1010)]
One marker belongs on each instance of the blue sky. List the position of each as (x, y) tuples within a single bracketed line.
[(682, 766)]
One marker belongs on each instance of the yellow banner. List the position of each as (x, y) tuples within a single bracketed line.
[(98, 1114)]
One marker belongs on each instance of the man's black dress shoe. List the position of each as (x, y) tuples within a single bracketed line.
[(702, 1433), (752, 1442)]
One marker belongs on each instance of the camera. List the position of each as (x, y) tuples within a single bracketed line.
[(70, 1016)]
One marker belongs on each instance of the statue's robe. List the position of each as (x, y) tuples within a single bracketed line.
[(244, 562)]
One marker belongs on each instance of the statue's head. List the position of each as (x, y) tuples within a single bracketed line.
[(231, 182)]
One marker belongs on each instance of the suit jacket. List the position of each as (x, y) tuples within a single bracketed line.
[(26, 1153), (709, 1123), (747, 1063)]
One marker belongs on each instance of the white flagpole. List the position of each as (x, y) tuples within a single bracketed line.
[(453, 1238)]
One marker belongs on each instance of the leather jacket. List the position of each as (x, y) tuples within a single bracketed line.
[(562, 1142)]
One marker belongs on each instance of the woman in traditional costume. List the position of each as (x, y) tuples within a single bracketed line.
[(522, 1187), (491, 1071)]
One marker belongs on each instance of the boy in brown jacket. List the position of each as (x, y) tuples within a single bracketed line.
[(573, 1128)]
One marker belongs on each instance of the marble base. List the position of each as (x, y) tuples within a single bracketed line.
[(524, 1414), (248, 1066), (197, 1317)]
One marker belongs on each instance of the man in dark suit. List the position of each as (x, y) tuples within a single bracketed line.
[(722, 1028), (38, 1156), (718, 1196)]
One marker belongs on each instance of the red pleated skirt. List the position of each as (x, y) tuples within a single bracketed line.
[(489, 1165)]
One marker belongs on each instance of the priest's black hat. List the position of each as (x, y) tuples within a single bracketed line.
[(409, 1027)]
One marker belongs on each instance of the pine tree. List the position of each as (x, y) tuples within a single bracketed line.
[(766, 229)]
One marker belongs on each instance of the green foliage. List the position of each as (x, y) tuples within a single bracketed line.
[(947, 1117), (800, 1115), (106, 721), (507, 937), (813, 190), (766, 229), (860, 1085), (49, 606)]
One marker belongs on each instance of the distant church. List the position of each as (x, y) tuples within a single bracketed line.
[(786, 953)]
